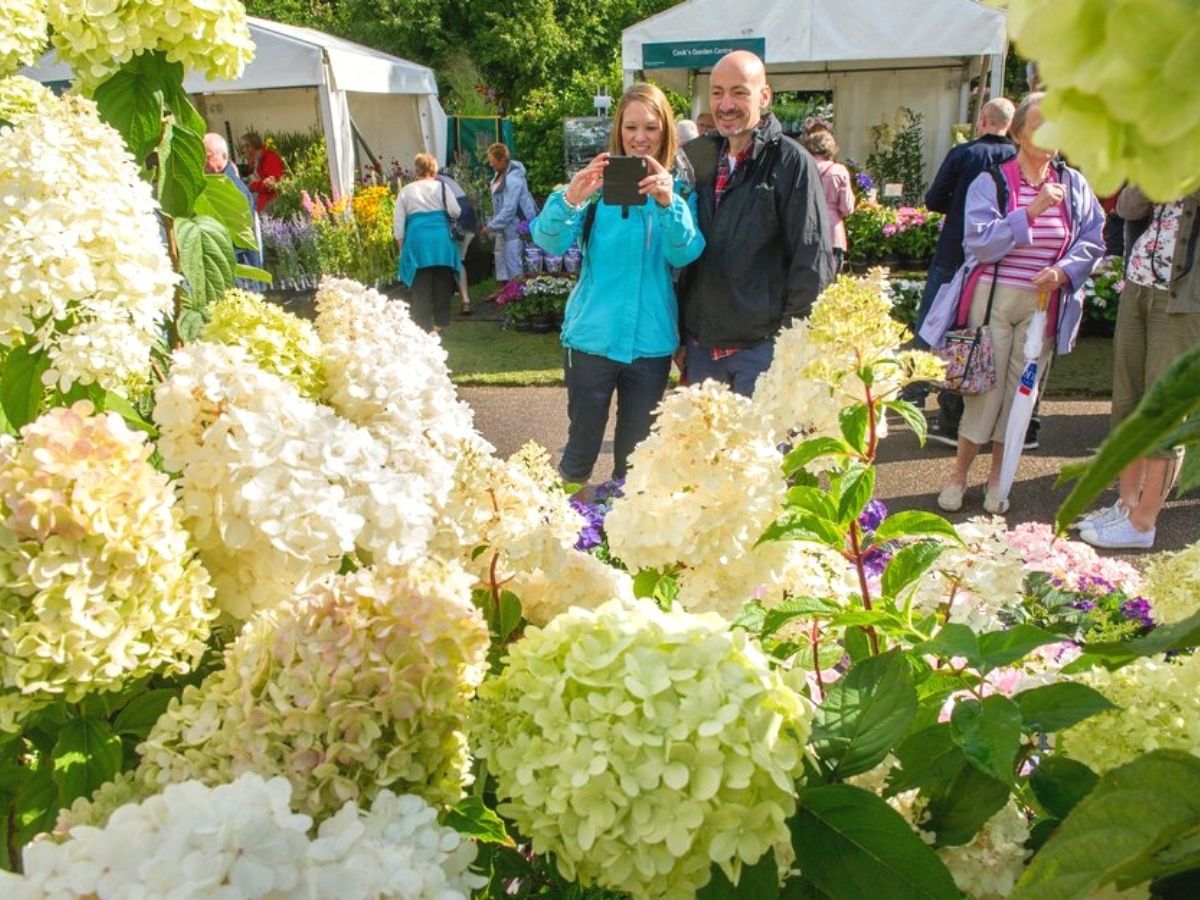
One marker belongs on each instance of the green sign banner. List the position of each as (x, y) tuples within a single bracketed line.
[(697, 54)]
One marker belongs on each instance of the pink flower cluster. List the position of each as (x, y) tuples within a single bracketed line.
[(1074, 562)]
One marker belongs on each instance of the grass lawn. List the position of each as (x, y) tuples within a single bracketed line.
[(482, 353)]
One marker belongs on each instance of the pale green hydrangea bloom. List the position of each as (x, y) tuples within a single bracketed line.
[(21, 96), (1173, 585), (276, 341), (99, 585), (22, 33), (639, 747), (360, 685), (1158, 704), (98, 36)]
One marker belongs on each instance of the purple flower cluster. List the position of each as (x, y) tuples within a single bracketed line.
[(864, 181), (1138, 610), (873, 513), (594, 511)]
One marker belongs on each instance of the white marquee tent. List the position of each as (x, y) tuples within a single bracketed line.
[(874, 55), (300, 78)]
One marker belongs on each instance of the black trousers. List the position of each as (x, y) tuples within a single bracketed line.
[(430, 295), (591, 381)]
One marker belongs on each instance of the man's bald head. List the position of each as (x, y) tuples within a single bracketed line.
[(738, 96)]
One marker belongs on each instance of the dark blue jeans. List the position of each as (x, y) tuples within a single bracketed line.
[(591, 381), (739, 371)]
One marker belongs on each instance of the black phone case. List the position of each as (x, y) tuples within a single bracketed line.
[(621, 177)]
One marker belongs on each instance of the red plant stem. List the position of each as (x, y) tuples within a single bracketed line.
[(862, 583), (816, 644)]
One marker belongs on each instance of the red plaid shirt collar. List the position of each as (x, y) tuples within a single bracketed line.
[(725, 170)]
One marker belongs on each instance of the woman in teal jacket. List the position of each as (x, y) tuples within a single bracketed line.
[(622, 323)]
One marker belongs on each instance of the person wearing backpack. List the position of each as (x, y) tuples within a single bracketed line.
[(621, 326), (1033, 226), (467, 223)]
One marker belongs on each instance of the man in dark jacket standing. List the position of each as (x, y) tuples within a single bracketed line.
[(948, 195), (762, 212)]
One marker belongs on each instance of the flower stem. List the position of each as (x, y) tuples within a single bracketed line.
[(815, 640), (863, 587)]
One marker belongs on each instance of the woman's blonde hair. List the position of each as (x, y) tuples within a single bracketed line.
[(425, 165), (821, 143), (1029, 101), (656, 101)]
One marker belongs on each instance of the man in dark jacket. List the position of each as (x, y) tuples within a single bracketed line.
[(948, 195), (762, 212)]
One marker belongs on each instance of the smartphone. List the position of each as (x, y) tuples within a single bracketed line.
[(621, 177)]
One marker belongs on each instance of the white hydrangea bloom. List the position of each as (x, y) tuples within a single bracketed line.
[(1158, 704), (1173, 585), (701, 490), (979, 579), (99, 584), (814, 373), (516, 508), (22, 33), (97, 37), (363, 683), (86, 275), (640, 746), (582, 581), (988, 866), (390, 377), (276, 489), (241, 841)]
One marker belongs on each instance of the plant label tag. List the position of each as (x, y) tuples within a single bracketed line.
[(893, 189)]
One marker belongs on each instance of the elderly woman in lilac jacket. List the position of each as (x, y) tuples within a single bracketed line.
[(1033, 227)]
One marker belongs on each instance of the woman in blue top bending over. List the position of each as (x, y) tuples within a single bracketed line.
[(621, 323)]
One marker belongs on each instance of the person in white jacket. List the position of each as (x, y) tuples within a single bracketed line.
[(511, 204)]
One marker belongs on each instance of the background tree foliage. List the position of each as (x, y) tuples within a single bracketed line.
[(541, 59)]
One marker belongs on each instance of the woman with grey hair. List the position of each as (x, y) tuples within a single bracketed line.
[(835, 181)]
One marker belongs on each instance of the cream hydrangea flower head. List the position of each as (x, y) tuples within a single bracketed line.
[(97, 37), (389, 376), (639, 746), (816, 363), (1158, 704), (22, 33), (100, 585), (241, 840), (1173, 585), (86, 274), (516, 508), (979, 578), (277, 489), (21, 96), (274, 339), (701, 490), (582, 580), (362, 684)]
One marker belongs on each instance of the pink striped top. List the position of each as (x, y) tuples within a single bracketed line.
[(1048, 234)]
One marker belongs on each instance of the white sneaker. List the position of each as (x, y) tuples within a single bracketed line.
[(1098, 517), (1118, 535)]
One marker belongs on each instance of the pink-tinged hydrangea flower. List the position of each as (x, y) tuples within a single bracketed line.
[(360, 685), (241, 841), (86, 278), (639, 747), (98, 36), (22, 33), (1158, 704), (99, 584), (1074, 562)]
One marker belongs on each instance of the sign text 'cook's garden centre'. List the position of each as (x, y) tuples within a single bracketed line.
[(697, 54)]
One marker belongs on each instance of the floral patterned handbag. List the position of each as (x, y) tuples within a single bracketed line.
[(968, 355)]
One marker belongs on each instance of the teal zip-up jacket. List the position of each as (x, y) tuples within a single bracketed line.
[(623, 306)]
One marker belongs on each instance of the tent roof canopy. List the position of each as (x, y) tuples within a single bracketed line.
[(819, 35), (291, 56)]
